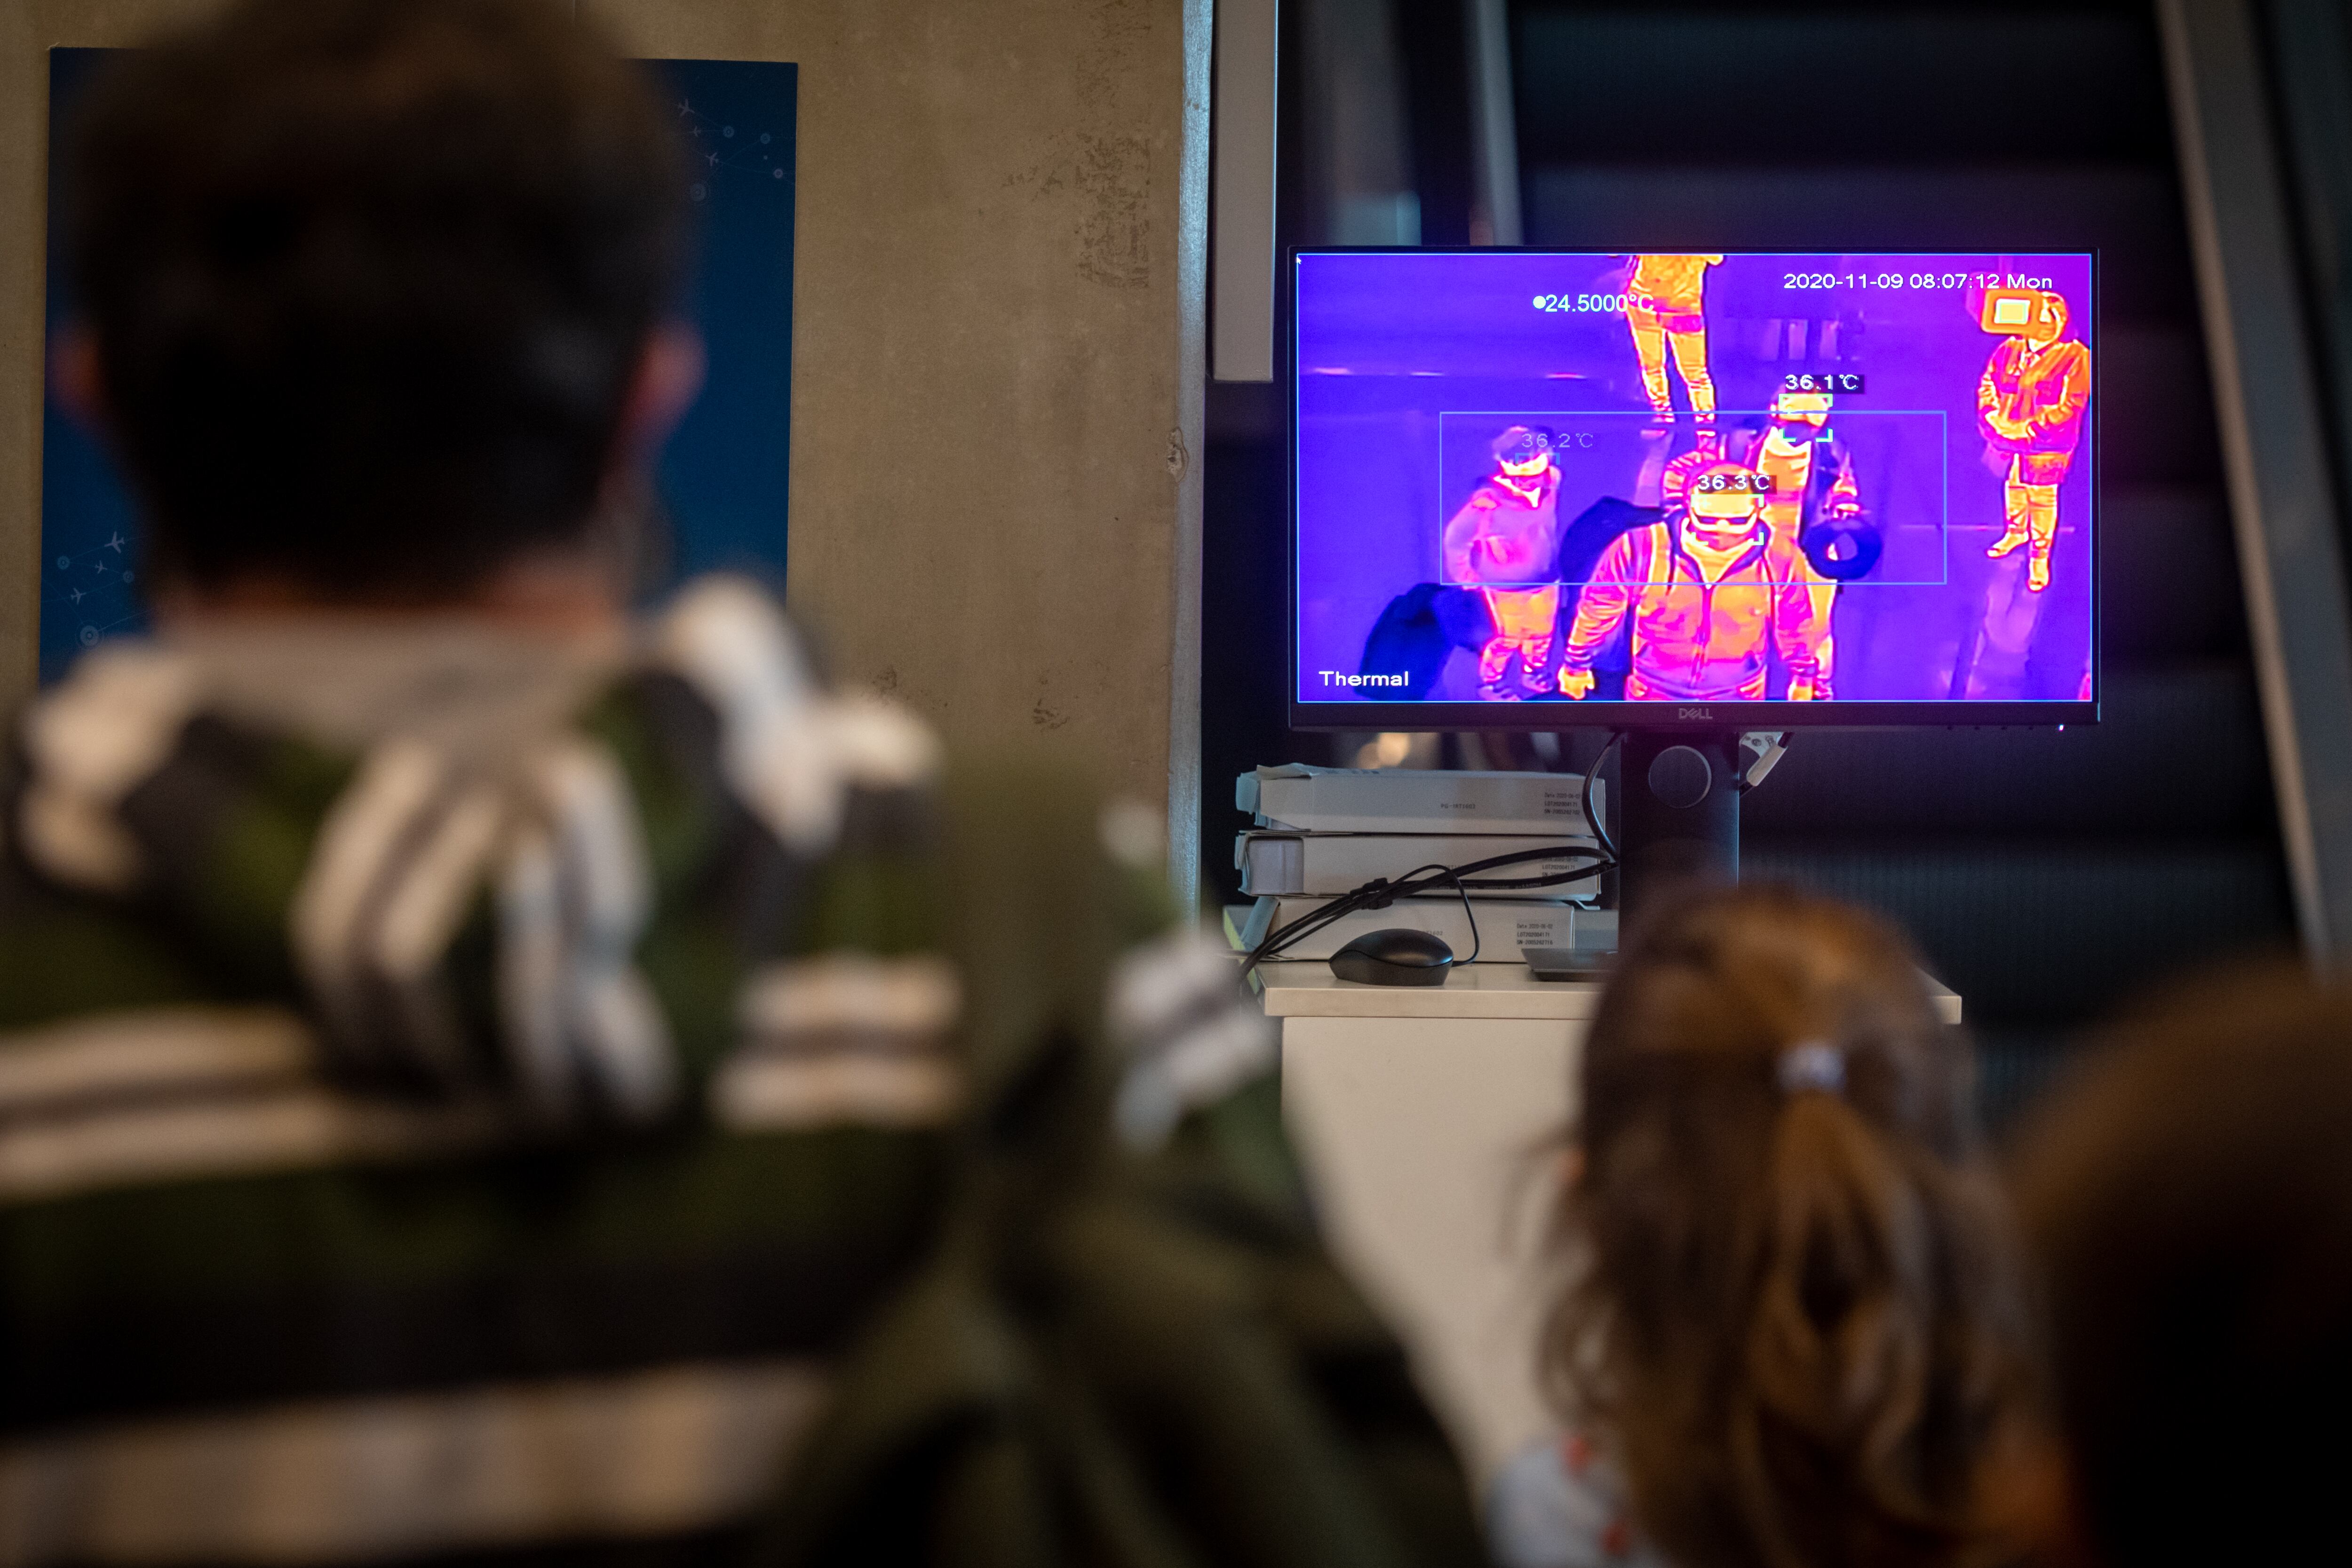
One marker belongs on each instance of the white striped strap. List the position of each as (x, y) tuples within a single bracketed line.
[(110, 726), (636, 1455), (1177, 1009), (843, 1037), (405, 855), (186, 1093), (791, 753)]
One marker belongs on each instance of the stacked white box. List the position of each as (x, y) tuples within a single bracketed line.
[(1321, 833), (1410, 800), (1287, 864)]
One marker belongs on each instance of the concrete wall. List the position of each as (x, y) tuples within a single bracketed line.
[(999, 300), (998, 309)]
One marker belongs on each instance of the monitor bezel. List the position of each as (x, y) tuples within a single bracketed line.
[(1541, 715)]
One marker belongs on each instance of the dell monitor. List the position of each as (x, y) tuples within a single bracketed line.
[(1702, 491)]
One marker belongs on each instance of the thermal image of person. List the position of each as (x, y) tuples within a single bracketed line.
[(2030, 403), (1666, 306), (1809, 477), (1504, 542), (1711, 593)]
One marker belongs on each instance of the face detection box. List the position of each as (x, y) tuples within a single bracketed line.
[(2012, 311)]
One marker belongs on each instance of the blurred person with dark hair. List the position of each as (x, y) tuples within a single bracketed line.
[(481, 1078), (1788, 1336), (2186, 1207)]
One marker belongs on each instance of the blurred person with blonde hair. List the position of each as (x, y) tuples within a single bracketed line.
[(1787, 1334)]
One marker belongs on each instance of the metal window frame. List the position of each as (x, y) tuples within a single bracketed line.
[(2267, 394)]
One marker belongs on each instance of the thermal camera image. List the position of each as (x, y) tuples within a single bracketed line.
[(1707, 478)]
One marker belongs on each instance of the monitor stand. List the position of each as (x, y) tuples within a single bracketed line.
[(1678, 816)]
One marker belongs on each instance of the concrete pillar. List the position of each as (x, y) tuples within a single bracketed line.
[(999, 342)]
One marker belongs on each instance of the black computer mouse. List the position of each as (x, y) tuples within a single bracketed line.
[(1397, 956)]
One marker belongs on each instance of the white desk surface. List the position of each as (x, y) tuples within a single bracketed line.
[(1307, 989)]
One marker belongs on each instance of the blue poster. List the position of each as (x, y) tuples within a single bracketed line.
[(724, 475), (89, 533)]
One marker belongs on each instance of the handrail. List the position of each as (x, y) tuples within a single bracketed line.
[(2267, 394)]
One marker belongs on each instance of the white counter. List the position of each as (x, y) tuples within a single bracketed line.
[(1471, 991), (1430, 1120)]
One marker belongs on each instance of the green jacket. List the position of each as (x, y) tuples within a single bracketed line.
[(460, 1098)]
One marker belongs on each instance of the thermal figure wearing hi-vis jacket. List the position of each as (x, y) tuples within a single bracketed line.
[(1666, 307), (1504, 542), (2031, 403)]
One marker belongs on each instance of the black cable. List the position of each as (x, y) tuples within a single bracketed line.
[(1377, 894), (1381, 892), (1478, 942), (1599, 832)]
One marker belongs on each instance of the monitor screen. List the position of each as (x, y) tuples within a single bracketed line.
[(1542, 489)]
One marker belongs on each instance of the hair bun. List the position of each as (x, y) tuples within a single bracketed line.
[(1814, 1067)]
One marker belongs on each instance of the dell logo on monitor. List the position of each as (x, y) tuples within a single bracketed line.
[(1694, 713)]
